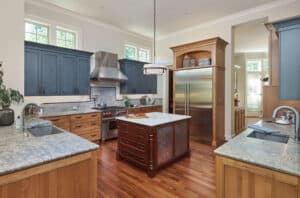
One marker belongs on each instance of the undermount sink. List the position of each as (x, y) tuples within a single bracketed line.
[(42, 131), (269, 137)]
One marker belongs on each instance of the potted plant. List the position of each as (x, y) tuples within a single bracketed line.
[(7, 96), (126, 101)]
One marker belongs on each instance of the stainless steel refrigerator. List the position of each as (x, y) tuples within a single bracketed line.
[(193, 96)]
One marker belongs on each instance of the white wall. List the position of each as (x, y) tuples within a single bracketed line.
[(92, 36), (12, 44), (223, 28)]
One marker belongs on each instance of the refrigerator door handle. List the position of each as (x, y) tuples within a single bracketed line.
[(185, 99), (189, 97)]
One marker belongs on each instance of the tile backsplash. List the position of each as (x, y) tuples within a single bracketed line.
[(103, 94), (108, 95)]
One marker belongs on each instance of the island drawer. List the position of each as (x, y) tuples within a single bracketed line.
[(133, 154), (136, 133), (137, 145)]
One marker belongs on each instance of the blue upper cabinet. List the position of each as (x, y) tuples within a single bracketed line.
[(68, 74), (51, 71), (33, 62), (82, 71), (137, 83), (289, 59)]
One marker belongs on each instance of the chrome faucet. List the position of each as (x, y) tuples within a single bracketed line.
[(31, 109), (296, 118)]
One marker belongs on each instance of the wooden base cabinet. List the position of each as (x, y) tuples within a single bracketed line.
[(87, 125), (236, 179), (73, 177)]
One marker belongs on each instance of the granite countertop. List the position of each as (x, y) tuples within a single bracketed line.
[(64, 113), (20, 150), (84, 111), (155, 119), (273, 155)]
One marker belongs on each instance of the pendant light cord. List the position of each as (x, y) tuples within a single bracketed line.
[(154, 33)]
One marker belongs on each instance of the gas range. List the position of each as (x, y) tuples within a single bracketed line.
[(108, 120), (112, 111)]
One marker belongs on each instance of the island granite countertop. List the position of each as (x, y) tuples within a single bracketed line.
[(20, 150), (155, 119), (273, 155)]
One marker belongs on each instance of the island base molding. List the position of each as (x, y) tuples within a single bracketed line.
[(236, 179), (72, 177)]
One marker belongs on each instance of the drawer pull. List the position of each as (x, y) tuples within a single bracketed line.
[(78, 126), (55, 120), (78, 117), (94, 115), (93, 135), (94, 124)]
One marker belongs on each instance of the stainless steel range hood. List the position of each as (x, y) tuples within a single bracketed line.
[(106, 68)]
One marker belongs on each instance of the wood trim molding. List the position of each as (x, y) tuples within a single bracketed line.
[(22, 174)]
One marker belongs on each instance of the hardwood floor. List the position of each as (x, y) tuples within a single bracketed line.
[(190, 177)]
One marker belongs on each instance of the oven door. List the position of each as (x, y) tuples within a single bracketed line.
[(109, 129)]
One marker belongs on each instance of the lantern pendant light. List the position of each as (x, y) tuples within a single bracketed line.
[(153, 68)]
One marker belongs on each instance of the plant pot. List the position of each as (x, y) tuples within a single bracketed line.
[(7, 116)]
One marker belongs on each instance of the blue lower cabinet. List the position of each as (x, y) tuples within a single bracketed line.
[(51, 71)]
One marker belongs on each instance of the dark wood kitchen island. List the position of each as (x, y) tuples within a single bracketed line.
[(154, 142)]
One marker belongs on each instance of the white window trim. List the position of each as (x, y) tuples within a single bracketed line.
[(52, 25), (67, 30), (38, 23), (138, 48), (144, 49)]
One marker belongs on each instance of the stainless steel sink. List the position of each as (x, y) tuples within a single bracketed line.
[(269, 137), (42, 131)]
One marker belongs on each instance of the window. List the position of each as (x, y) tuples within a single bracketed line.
[(254, 86), (254, 66), (130, 52), (144, 55), (65, 39), (134, 53), (36, 32)]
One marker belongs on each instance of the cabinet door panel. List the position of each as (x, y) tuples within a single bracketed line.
[(68, 73), (83, 77), (137, 83), (32, 64), (236, 179), (289, 64), (49, 73)]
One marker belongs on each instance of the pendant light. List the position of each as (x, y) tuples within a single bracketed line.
[(153, 68)]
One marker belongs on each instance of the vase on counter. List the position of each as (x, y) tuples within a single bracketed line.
[(7, 115)]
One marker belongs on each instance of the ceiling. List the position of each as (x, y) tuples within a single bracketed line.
[(251, 37), (173, 15)]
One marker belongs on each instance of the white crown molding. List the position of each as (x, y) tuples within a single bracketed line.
[(230, 17), (54, 8)]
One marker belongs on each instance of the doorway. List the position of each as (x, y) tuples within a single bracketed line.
[(250, 70)]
